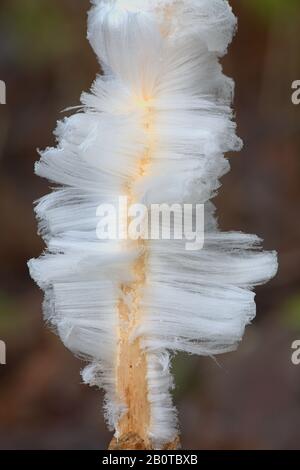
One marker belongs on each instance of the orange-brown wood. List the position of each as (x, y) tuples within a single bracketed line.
[(132, 441), (132, 361)]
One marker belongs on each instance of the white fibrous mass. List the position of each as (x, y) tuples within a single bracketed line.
[(155, 128)]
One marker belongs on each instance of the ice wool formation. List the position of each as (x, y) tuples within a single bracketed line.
[(154, 128)]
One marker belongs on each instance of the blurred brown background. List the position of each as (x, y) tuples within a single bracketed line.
[(252, 401)]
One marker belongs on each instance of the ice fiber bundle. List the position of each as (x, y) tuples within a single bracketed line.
[(154, 129)]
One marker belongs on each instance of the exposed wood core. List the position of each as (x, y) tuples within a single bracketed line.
[(132, 360), (134, 442)]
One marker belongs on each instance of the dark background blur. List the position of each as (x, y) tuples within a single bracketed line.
[(253, 400)]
